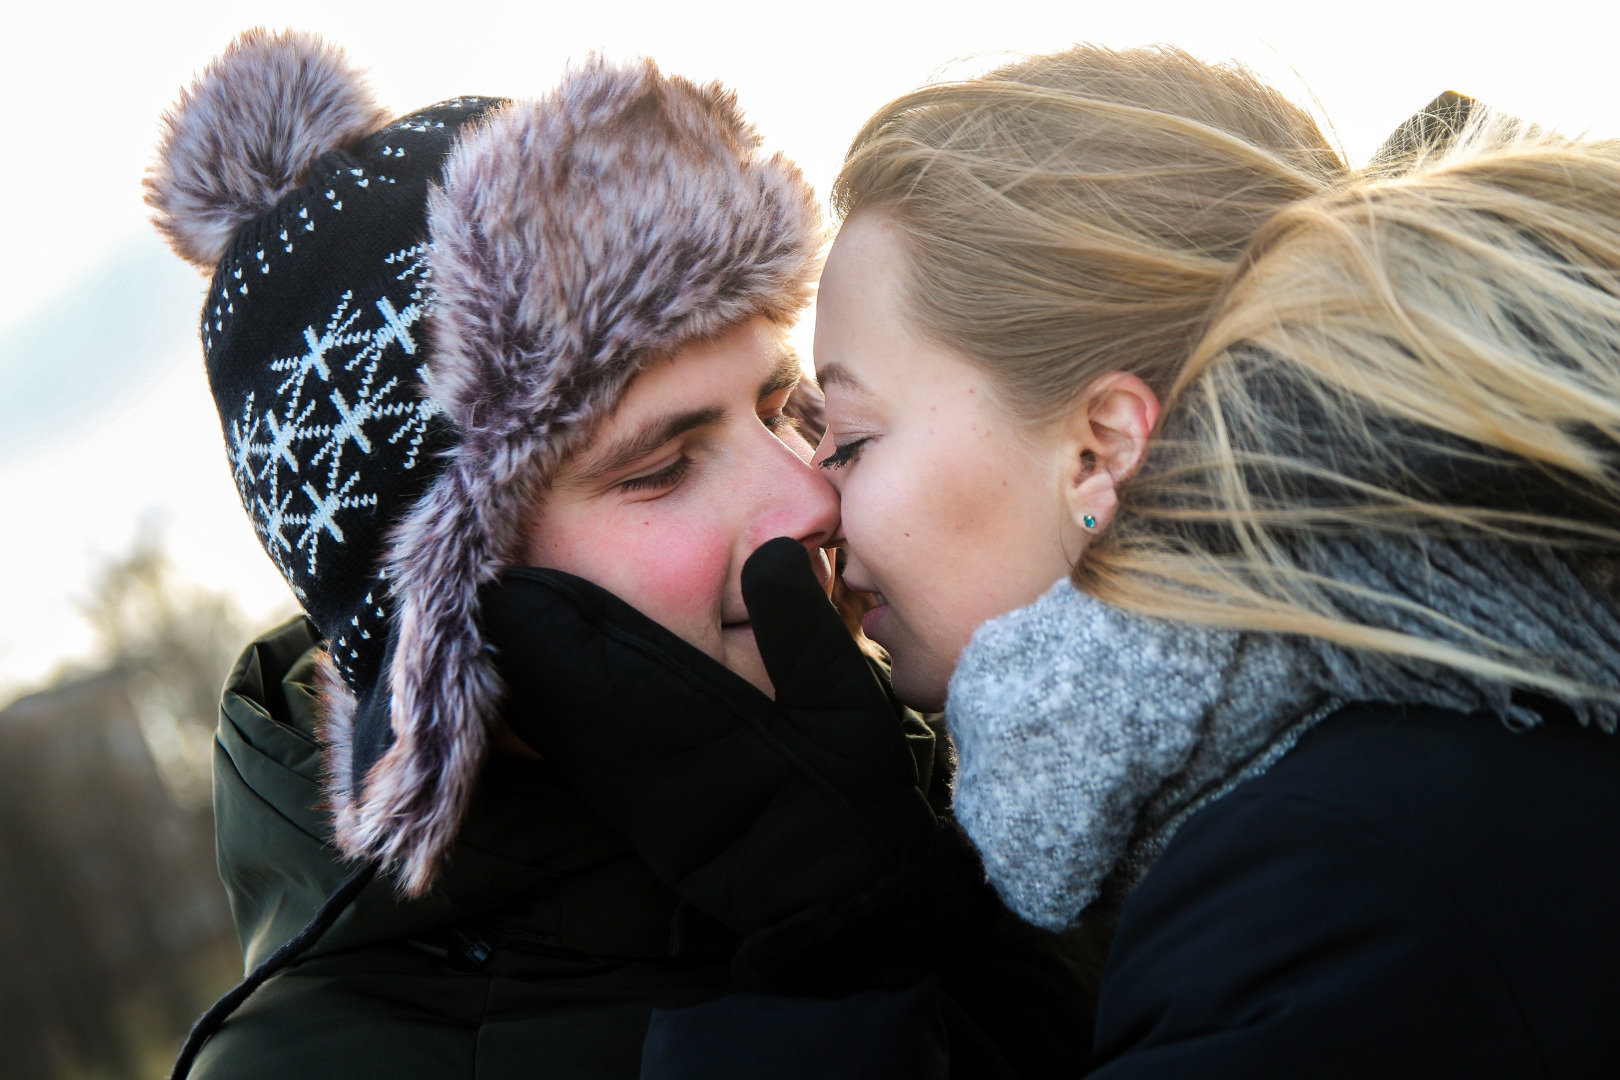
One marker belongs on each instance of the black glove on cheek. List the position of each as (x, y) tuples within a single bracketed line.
[(815, 666), (825, 687), (728, 801)]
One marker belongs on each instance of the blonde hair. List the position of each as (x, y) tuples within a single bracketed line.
[(1435, 354), (1431, 351), (1079, 213)]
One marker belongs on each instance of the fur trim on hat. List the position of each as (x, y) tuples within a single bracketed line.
[(335, 706), (247, 131), (576, 238)]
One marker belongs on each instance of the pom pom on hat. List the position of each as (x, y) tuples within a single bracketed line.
[(246, 133)]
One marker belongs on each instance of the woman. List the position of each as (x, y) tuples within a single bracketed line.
[(545, 338), (1320, 712)]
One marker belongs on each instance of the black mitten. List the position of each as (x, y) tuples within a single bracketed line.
[(752, 810)]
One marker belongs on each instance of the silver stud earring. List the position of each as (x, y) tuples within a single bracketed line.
[(1089, 522)]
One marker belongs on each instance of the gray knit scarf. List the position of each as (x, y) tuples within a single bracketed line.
[(1087, 735)]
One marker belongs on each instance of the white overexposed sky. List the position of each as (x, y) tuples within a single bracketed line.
[(105, 418)]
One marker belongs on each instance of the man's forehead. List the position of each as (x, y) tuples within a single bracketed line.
[(726, 367)]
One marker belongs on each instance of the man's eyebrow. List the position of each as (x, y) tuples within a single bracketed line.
[(838, 375), (785, 375), (630, 449)]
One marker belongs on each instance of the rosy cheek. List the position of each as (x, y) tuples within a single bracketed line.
[(670, 572), (679, 574)]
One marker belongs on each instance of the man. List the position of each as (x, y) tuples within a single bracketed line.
[(545, 339)]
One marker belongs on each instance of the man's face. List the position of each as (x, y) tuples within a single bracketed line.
[(694, 470)]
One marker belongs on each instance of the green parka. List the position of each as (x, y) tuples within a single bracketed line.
[(546, 943)]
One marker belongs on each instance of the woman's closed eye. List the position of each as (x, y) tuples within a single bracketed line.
[(844, 453), (659, 479)]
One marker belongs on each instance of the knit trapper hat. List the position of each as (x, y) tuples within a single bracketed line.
[(411, 325)]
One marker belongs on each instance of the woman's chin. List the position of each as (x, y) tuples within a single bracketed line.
[(925, 696), (917, 681)]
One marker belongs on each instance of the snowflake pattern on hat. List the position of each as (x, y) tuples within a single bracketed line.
[(288, 455), (315, 336)]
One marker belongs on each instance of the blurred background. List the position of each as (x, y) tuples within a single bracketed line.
[(129, 578)]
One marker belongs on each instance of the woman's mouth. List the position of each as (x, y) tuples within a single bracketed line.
[(873, 619)]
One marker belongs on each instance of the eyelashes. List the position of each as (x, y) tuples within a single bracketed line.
[(844, 455), (671, 475), (667, 477)]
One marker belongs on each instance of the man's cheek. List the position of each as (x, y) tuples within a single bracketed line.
[(678, 576)]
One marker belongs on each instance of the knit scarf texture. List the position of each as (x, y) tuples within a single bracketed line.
[(1087, 735)]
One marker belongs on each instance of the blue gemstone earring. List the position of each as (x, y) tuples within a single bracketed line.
[(1089, 522)]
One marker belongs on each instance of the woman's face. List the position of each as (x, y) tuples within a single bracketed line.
[(695, 469), (953, 511)]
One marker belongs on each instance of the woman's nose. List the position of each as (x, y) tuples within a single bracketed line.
[(823, 448), (822, 452)]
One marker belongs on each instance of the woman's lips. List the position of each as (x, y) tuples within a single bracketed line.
[(872, 620)]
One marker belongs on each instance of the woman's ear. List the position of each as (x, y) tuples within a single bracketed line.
[(1104, 439)]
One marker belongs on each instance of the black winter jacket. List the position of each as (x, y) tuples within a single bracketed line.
[(547, 944), (1408, 893)]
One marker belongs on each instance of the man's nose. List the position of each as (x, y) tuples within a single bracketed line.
[(796, 501)]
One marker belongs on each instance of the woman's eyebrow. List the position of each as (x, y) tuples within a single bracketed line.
[(653, 433), (838, 375)]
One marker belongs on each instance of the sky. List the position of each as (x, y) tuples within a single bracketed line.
[(106, 425)]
